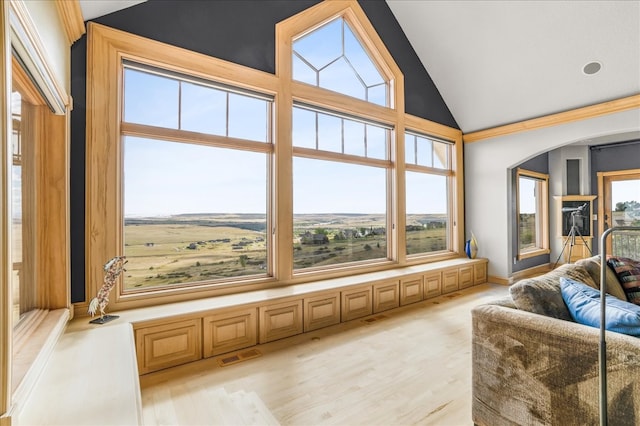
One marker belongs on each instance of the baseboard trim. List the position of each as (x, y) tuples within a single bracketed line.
[(530, 272), (498, 280)]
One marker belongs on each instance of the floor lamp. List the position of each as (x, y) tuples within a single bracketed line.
[(602, 354)]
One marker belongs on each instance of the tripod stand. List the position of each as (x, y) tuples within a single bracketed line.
[(571, 237)]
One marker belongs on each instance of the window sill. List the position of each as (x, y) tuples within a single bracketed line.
[(33, 343), (533, 253)]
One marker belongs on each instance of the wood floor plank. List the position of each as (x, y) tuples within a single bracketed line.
[(411, 367)]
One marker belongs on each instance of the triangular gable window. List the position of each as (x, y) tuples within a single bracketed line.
[(332, 57)]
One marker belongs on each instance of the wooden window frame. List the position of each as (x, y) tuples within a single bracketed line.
[(542, 209), (452, 189), (49, 110), (108, 48)]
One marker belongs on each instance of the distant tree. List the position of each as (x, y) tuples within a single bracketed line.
[(627, 205), (243, 260), (367, 247), (321, 231)]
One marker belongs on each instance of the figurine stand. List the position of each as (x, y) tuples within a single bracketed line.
[(104, 319)]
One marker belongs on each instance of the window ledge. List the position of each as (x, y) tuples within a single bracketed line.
[(91, 378), (34, 342), (160, 312), (533, 253)]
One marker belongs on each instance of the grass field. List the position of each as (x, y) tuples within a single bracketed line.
[(190, 248)]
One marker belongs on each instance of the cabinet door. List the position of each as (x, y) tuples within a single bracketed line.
[(168, 345), (321, 311), (386, 296), (449, 280), (229, 331), (410, 290), (432, 284), (280, 320), (465, 276), (356, 303), (480, 273)]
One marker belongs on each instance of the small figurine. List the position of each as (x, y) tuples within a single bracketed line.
[(112, 269)]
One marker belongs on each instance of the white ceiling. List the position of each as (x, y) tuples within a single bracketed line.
[(498, 62)]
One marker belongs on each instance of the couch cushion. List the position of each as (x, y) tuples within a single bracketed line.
[(592, 265), (584, 306), (628, 273), (541, 295)]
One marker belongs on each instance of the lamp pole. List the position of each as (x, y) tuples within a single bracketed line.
[(602, 354)]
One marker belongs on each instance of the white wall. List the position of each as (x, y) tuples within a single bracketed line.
[(487, 178), (50, 31)]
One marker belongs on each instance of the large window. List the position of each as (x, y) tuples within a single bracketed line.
[(340, 173), (428, 198), (223, 179), (533, 213), (195, 208)]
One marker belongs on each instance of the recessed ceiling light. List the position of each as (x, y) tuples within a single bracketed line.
[(592, 68)]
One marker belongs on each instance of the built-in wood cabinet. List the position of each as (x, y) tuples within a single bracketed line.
[(321, 311), (410, 290), (167, 345), (280, 320), (229, 331), (449, 280), (356, 303), (465, 277), (479, 273), (386, 295), (192, 335), (432, 284)]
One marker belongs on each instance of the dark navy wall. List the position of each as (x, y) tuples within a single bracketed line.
[(239, 31), (609, 158), (538, 164)]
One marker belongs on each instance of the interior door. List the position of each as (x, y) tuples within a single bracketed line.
[(620, 192)]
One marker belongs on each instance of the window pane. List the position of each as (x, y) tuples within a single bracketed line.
[(304, 128), (339, 213), (424, 152), (341, 77), (204, 109), (354, 138), (322, 46), (360, 60), (625, 200), (427, 213), (409, 148), (248, 118), (333, 58), (338, 134), (192, 213), (377, 142), (441, 153), (329, 133), (528, 213), (150, 99)]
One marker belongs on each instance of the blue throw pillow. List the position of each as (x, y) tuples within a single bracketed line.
[(584, 306)]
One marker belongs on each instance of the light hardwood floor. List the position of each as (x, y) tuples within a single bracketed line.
[(410, 366)]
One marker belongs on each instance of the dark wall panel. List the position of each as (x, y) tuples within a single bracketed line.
[(609, 158), (239, 31)]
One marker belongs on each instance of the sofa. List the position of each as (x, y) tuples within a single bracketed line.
[(532, 364)]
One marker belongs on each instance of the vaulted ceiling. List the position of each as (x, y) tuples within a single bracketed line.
[(498, 62)]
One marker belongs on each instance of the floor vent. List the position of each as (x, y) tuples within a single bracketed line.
[(239, 357), (374, 319)]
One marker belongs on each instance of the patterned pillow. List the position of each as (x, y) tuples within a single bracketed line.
[(541, 295), (628, 273), (592, 265)]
